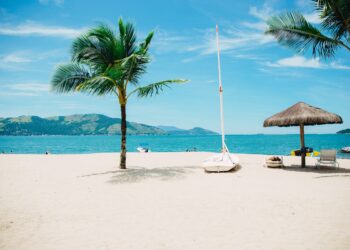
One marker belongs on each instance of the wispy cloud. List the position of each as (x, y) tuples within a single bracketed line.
[(24, 89), (249, 35), (263, 14), (55, 2), (35, 29), (335, 65), (18, 59), (308, 10), (302, 62), (31, 87), (13, 61), (232, 38), (165, 41), (14, 58), (297, 62), (313, 17)]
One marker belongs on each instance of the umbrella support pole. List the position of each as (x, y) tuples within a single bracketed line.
[(302, 144)]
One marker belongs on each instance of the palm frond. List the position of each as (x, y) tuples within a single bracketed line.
[(155, 88), (145, 44), (335, 16), (134, 66), (127, 36), (97, 46), (292, 30), (121, 28), (68, 77), (98, 85)]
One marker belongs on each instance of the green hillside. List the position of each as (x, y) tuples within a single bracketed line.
[(344, 131), (90, 124)]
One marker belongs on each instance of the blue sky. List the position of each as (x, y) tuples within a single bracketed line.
[(260, 77)]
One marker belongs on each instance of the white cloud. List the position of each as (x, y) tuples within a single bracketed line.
[(9, 93), (31, 87), (24, 89), (335, 65), (250, 56), (261, 26), (302, 62), (249, 36), (15, 61), (262, 14), (14, 58), (297, 62), (165, 41), (36, 29), (313, 17), (231, 39)]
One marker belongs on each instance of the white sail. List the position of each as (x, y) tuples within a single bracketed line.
[(223, 145), (224, 161)]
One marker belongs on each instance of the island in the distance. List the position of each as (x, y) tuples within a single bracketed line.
[(89, 124), (344, 131)]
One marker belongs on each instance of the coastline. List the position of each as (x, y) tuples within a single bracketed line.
[(166, 201), (242, 144)]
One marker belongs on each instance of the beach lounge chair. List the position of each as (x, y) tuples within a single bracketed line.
[(327, 158), (274, 162)]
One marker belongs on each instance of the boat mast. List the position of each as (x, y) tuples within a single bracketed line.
[(224, 149)]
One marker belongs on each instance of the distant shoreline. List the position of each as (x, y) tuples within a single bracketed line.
[(279, 144), (172, 135)]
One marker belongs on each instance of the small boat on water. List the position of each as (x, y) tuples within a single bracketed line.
[(143, 148), (345, 150), (309, 152)]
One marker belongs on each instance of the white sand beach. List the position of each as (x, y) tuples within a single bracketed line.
[(166, 201)]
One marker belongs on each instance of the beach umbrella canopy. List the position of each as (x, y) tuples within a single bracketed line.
[(302, 114)]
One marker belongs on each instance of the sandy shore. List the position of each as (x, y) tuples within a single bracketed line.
[(166, 201)]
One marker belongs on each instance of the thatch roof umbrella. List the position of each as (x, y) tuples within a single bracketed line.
[(301, 114)]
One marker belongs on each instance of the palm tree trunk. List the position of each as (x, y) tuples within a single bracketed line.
[(302, 144), (123, 138)]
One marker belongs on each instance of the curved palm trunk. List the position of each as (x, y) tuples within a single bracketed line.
[(123, 137)]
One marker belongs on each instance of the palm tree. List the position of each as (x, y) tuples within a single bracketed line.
[(105, 63), (293, 30)]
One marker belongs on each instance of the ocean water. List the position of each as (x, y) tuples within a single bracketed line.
[(251, 144)]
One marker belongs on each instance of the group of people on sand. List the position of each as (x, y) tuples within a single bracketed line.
[(3, 152)]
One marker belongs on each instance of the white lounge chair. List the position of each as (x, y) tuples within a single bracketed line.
[(327, 158)]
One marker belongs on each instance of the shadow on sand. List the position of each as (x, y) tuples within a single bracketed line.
[(134, 174), (336, 172), (138, 174)]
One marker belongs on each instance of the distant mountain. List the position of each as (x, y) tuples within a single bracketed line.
[(344, 131), (170, 128), (194, 131), (89, 124)]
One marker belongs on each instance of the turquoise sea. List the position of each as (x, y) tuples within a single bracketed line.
[(251, 144)]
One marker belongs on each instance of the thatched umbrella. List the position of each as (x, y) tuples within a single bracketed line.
[(301, 114)]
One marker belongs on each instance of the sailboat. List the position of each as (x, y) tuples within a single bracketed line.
[(224, 161)]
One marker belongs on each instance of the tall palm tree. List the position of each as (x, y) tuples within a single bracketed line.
[(107, 63), (293, 30)]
